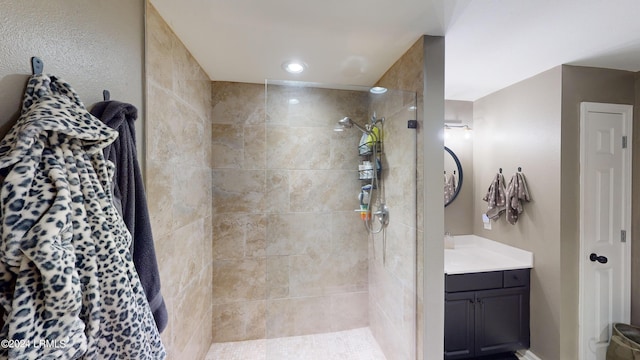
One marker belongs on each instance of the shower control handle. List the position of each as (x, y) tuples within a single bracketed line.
[(601, 259), (383, 214)]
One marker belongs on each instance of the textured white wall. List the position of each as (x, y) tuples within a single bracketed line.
[(93, 45)]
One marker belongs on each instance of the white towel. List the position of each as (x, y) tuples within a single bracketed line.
[(517, 192), (496, 198)]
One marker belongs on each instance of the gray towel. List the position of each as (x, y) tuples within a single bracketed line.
[(496, 197), (130, 197), (517, 192)]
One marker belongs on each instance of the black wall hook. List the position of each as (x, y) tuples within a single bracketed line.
[(36, 65), (500, 170), (519, 169), (106, 95)]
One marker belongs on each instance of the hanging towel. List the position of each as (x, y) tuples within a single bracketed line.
[(517, 192), (449, 187), (496, 197), (129, 194), (66, 273)]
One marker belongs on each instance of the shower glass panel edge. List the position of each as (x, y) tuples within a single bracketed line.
[(331, 287)]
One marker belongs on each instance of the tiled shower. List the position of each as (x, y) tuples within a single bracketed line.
[(280, 252), (290, 255)]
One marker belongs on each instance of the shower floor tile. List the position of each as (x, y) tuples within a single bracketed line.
[(357, 344)]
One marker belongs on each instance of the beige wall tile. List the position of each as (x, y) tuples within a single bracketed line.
[(160, 43), (159, 200), (255, 151), (161, 125), (190, 137), (312, 315), (229, 236), (236, 236), (239, 321), (323, 191), (191, 306), (228, 146), (315, 245), (179, 187), (238, 190), (194, 348), (256, 236), (188, 244), (308, 277), (278, 271), (237, 103), (297, 148), (344, 150), (280, 318), (280, 108), (256, 320), (401, 253), (390, 283), (229, 322), (277, 196), (191, 194), (295, 233), (349, 311), (239, 280)]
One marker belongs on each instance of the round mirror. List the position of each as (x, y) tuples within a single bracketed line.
[(452, 176)]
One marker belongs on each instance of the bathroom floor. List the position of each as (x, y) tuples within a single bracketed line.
[(356, 344)]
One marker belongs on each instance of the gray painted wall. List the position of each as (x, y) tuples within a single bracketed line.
[(595, 85), (433, 217), (458, 216), (93, 45), (520, 126), (535, 124)]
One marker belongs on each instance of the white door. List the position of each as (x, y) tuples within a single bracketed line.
[(605, 224)]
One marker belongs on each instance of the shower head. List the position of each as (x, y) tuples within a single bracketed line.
[(346, 123)]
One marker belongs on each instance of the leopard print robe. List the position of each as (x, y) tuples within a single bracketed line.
[(68, 285)]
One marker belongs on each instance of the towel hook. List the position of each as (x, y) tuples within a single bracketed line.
[(106, 95), (36, 65), (500, 170), (519, 169)]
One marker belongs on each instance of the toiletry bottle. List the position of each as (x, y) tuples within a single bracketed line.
[(449, 243)]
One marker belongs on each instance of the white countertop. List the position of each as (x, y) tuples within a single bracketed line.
[(473, 253)]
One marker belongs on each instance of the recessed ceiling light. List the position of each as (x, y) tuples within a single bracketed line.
[(378, 90), (294, 67), (294, 101)]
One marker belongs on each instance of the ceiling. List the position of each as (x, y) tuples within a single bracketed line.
[(489, 44)]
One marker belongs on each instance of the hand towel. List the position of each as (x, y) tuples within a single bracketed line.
[(496, 197), (517, 192), (449, 187)]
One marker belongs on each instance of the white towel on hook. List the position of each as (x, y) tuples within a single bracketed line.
[(517, 192), (496, 197)]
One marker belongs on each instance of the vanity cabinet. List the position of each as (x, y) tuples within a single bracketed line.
[(486, 313)]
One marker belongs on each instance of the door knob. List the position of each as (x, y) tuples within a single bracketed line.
[(600, 259)]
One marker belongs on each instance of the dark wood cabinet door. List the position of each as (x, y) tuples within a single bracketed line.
[(459, 328), (501, 320)]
